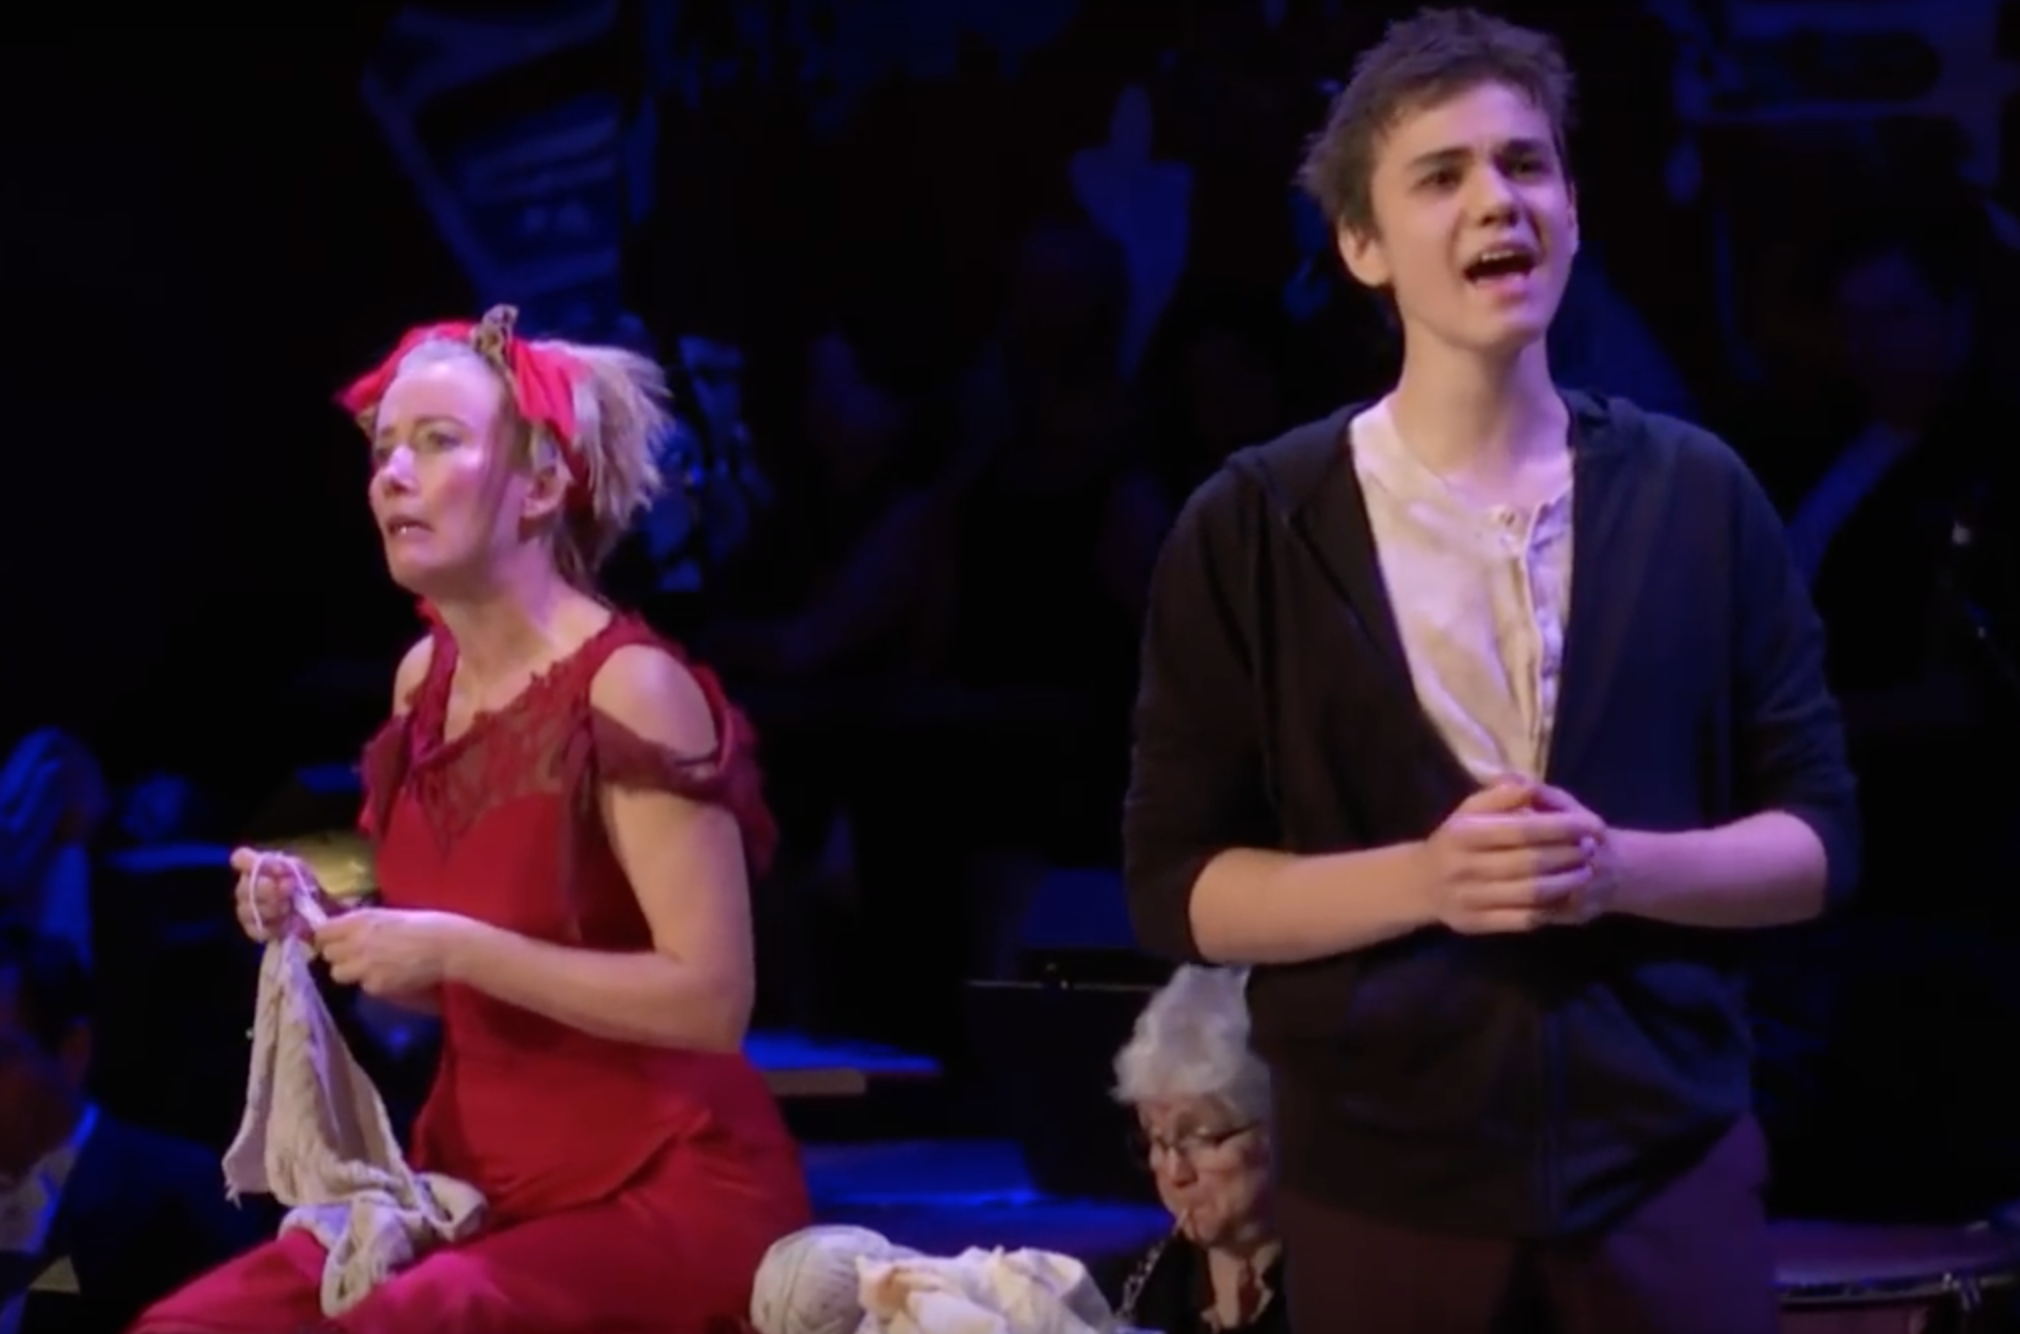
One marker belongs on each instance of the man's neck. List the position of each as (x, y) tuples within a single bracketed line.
[(1467, 416)]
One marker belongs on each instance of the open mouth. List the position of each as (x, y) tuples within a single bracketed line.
[(405, 528), (1502, 264)]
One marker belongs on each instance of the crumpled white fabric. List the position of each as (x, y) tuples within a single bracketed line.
[(316, 1137), (808, 1282), (850, 1280), (982, 1292)]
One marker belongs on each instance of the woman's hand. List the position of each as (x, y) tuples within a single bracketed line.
[(272, 887), (391, 952)]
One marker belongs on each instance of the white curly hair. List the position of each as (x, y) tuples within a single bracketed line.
[(1192, 1041)]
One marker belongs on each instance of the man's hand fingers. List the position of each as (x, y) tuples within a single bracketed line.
[(1493, 833), (1561, 889), (1549, 798), (1502, 797), (1523, 892), (1519, 866), (1502, 922)]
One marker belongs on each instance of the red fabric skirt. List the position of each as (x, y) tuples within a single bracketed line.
[(674, 1252)]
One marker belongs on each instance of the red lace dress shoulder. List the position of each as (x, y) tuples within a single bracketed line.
[(573, 747), (729, 777)]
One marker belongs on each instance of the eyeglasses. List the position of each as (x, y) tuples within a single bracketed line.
[(1193, 1148)]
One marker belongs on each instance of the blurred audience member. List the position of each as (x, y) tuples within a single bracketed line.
[(1216, 384), (1601, 341), (850, 561), (1863, 1020), (837, 618), (1783, 399), (165, 808), (1059, 522), (732, 492), (1143, 203), (1063, 520), (1202, 1104), (98, 1218), (169, 1028), (52, 799), (1874, 530)]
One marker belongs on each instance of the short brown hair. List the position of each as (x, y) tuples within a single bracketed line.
[(1421, 60)]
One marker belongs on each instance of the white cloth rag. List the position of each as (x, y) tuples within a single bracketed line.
[(316, 1137), (850, 1280), (808, 1282), (981, 1292)]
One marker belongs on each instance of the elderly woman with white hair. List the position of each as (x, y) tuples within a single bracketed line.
[(1202, 1103)]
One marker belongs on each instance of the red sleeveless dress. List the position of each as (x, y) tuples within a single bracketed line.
[(633, 1190)]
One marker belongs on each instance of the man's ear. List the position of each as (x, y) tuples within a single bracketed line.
[(1364, 255)]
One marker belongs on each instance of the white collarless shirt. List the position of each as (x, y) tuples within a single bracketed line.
[(1480, 595)]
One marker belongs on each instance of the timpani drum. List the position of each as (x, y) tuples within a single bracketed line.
[(1845, 1278)]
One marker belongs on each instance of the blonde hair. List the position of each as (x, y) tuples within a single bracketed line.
[(622, 424), (1192, 1041)]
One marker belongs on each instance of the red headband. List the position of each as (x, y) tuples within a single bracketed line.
[(541, 381)]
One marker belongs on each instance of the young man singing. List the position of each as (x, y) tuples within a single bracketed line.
[(1480, 719)]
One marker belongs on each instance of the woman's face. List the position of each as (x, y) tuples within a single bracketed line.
[(1211, 1166), (449, 505)]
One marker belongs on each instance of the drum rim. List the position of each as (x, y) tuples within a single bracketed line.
[(1876, 1292), (1980, 1273)]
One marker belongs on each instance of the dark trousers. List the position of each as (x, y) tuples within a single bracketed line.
[(1692, 1259)]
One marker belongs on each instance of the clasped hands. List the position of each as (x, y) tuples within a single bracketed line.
[(381, 951), (1517, 856)]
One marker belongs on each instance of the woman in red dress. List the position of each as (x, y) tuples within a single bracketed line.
[(565, 813)]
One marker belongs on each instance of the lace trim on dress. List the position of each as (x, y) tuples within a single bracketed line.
[(549, 740)]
